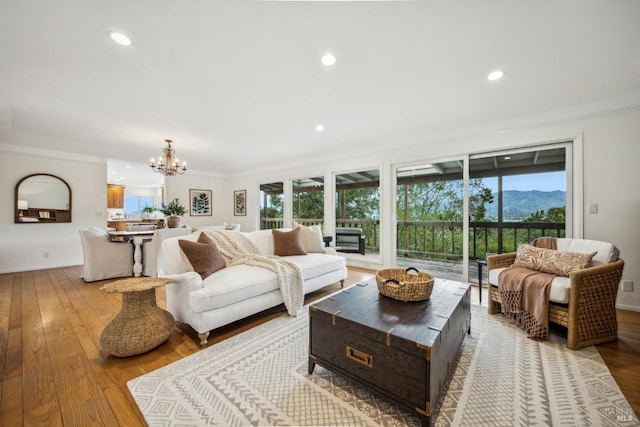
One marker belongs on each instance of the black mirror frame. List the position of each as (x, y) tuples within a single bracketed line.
[(15, 203)]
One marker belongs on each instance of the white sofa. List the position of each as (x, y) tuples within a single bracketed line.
[(238, 291)]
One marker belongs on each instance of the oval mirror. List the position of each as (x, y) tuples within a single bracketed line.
[(42, 198)]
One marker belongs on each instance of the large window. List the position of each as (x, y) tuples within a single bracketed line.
[(133, 205), (358, 207), (429, 212), (308, 201), (271, 205)]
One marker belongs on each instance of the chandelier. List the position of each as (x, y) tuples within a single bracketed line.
[(168, 164)]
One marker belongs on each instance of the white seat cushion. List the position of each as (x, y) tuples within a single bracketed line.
[(560, 286), (231, 285), (313, 264)]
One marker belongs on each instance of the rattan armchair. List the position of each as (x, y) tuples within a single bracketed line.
[(590, 315)]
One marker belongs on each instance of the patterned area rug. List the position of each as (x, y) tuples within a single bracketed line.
[(501, 379)]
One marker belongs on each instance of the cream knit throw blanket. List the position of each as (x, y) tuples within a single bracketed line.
[(238, 249)]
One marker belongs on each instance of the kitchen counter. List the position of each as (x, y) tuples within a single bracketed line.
[(120, 224)]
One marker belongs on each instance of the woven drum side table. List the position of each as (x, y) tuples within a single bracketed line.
[(141, 325)]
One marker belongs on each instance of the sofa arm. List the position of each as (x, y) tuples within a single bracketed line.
[(190, 280), (597, 281), (330, 251), (178, 293), (592, 305), (500, 261)]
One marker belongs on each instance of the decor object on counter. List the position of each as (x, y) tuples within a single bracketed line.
[(168, 164), (173, 210), (240, 203), (149, 210), (200, 202), (141, 325)]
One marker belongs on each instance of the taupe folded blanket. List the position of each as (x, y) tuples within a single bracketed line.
[(525, 298)]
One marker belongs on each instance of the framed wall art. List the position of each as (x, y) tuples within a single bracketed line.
[(200, 203), (240, 202)]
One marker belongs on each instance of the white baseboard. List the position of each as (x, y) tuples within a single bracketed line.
[(40, 267), (627, 307)]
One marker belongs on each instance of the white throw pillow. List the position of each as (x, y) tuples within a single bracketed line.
[(311, 238)]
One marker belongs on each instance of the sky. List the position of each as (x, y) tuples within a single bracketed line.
[(550, 181)]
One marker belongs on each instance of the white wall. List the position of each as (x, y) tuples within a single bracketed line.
[(23, 245), (611, 145), (221, 198)]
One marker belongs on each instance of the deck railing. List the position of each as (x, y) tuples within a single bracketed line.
[(443, 239)]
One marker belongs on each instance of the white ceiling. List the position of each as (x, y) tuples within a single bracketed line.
[(238, 83)]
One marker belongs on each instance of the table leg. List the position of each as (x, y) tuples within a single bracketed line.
[(137, 256), (480, 264)]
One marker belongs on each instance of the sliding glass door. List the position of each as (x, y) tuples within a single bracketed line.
[(529, 198), (510, 198), (429, 217)]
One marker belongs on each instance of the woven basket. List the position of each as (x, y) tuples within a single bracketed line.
[(401, 285)]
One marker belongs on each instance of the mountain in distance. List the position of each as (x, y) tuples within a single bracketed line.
[(519, 205)]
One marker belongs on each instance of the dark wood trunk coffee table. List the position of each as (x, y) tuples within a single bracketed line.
[(402, 351)]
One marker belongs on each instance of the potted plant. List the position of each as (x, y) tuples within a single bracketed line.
[(149, 210), (173, 210)]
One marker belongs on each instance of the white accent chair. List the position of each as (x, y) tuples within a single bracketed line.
[(152, 250), (104, 259)]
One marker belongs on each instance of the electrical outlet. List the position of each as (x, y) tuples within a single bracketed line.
[(627, 285), (45, 254), (593, 208)]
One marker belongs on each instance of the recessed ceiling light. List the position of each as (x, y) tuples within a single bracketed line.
[(507, 157), (328, 59), (120, 38), (320, 128), (495, 75)]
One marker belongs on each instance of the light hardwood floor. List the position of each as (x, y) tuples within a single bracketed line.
[(53, 372)]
